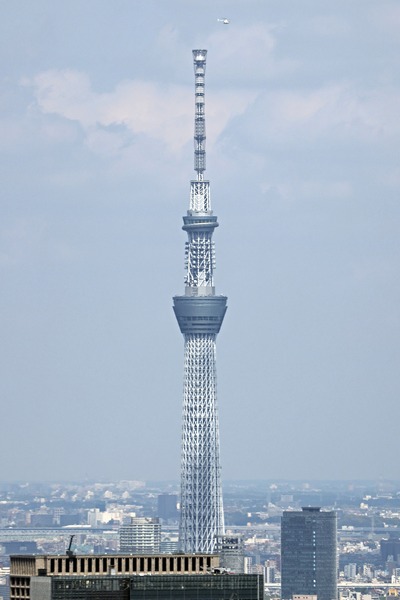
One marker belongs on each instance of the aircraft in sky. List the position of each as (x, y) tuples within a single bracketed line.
[(224, 21)]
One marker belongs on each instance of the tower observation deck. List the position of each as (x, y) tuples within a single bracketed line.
[(200, 313)]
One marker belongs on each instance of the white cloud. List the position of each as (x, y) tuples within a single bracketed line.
[(338, 112), (163, 113), (19, 134), (242, 43), (344, 110), (247, 54)]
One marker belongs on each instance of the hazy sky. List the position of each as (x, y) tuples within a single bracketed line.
[(303, 124)]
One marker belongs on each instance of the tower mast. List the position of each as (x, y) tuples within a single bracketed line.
[(200, 313)]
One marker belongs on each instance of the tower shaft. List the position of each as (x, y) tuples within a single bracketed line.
[(200, 313)]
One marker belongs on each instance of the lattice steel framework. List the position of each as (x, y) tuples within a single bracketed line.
[(200, 313)]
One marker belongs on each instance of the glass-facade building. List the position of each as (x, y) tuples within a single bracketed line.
[(146, 587), (309, 553)]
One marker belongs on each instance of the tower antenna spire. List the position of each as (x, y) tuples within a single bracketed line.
[(199, 60)]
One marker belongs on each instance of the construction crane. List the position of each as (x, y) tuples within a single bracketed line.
[(70, 553)]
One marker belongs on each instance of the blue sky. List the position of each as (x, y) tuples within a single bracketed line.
[(303, 128)]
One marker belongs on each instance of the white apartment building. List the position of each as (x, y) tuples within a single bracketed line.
[(141, 536)]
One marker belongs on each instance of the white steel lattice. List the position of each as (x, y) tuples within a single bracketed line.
[(202, 518), (200, 196), (200, 260)]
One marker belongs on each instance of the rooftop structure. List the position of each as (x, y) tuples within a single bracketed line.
[(28, 571)]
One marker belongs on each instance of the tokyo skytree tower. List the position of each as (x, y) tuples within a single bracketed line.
[(200, 313)]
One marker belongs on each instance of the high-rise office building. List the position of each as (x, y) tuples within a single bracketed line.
[(269, 571), (167, 507), (142, 535), (200, 313), (309, 554), (350, 570), (390, 548)]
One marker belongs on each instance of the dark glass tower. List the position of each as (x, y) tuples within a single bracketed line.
[(308, 553)]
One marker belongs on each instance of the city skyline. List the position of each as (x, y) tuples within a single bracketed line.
[(303, 135)]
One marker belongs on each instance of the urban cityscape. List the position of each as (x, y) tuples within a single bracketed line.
[(135, 517), (205, 536)]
